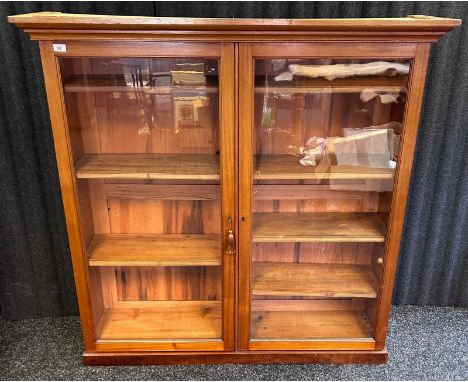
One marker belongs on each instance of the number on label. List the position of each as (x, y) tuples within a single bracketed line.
[(60, 48)]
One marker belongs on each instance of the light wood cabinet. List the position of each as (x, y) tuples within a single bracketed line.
[(234, 190)]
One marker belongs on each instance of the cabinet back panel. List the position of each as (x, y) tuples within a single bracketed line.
[(168, 283), (121, 129), (317, 115), (166, 216), (338, 253)]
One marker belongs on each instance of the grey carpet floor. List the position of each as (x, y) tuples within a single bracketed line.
[(425, 343)]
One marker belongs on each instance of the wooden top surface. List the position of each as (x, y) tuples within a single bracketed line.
[(64, 21)]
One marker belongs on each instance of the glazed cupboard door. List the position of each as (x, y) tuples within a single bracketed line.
[(321, 132), (151, 152)]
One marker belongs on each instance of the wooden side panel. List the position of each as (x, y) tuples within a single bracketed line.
[(98, 198), (109, 287), (86, 213), (401, 187), (68, 187)]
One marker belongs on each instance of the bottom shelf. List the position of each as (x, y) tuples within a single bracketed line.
[(310, 325), (168, 320)]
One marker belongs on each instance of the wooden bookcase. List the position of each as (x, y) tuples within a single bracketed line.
[(234, 189)]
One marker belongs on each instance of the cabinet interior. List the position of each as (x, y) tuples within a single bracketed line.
[(146, 157), (149, 193), (319, 230)]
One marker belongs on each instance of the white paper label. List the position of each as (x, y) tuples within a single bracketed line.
[(62, 48)]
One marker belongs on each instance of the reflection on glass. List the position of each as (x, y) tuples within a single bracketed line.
[(144, 137), (326, 145)]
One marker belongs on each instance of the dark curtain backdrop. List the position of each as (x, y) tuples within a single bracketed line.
[(36, 278)]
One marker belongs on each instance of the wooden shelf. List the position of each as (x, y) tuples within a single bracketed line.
[(318, 227), (303, 85), (309, 325), (149, 166), (98, 84), (313, 280), (288, 167), (168, 320), (113, 83), (155, 250), (206, 167)]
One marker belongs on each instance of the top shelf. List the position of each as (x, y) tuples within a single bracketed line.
[(340, 85), (112, 83), (59, 20), (115, 83)]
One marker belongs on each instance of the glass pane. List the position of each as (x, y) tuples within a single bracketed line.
[(326, 143), (145, 142)]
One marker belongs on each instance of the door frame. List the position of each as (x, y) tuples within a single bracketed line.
[(417, 54), (225, 53)]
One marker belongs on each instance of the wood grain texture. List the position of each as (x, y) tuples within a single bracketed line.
[(97, 295), (92, 47), (313, 280), (163, 191), (318, 252), (241, 357), (68, 188), (98, 198), (174, 320), (154, 250), (164, 216), (120, 123), (309, 345), (176, 283), (109, 286), (288, 167), (57, 26), (309, 205), (148, 166), (227, 36), (229, 187), (336, 49), (316, 227), (286, 305), (171, 346), (86, 213), (347, 85), (401, 188), (382, 69), (58, 20), (337, 324), (99, 84), (246, 150), (337, 253)]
